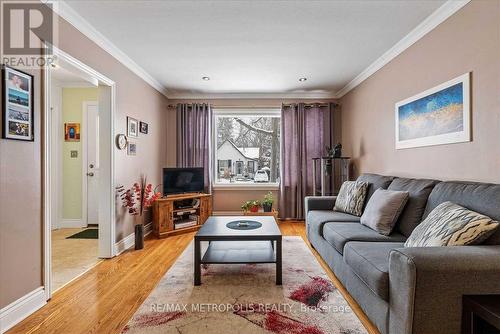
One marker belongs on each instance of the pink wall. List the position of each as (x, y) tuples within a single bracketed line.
[(21, 210), (467, 41)]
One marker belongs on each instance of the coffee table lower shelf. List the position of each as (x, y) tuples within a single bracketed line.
[(239, 252)]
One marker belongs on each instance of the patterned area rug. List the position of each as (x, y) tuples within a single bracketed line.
[(245, 299)]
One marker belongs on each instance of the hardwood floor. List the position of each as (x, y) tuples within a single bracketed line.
[(106, 297), (71, 257)]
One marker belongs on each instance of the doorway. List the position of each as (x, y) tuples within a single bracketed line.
[(79, 168)]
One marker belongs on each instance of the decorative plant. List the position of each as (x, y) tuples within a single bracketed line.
[(268, 198), (252, 206), (268, 201), (138, 198)]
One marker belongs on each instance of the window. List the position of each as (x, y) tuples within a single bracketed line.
[(247, 147)]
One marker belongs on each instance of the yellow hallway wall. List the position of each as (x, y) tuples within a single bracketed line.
[(72, 107)]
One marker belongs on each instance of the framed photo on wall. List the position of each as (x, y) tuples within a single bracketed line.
[(72, 132), (132, 127), (143, 128), (132, 148), (17, 107), (439, 115)]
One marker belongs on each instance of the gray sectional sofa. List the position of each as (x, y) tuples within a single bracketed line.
[(408, 290)]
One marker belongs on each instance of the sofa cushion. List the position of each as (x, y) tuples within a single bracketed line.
[(317, 218), (450, 224), (351, 198), (338, 234), (419, 190), (375, 182), (370, 262), (383, 210)]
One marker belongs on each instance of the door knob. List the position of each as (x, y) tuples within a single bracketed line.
[(90, 174)]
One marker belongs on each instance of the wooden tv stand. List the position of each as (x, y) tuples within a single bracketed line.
[(165, 211)]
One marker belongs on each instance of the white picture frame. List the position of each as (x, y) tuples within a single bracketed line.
[(132, 148), (132, 127), (445, 120)]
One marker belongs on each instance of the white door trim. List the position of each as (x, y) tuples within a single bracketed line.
[(107, 228)]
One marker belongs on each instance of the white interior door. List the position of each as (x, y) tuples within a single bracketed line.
[(92, 168)]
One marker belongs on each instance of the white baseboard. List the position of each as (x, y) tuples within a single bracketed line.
[(227, 213), (129, 240), (18, 310), (71, 223)]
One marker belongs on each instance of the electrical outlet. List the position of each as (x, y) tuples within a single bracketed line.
[(74, 154)]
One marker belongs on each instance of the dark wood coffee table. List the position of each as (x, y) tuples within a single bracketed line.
[(229, 246)]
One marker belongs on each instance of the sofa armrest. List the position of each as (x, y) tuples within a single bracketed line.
[(319, 203), (426, 285)]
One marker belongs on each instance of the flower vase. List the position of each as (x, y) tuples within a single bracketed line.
[(139, 236)]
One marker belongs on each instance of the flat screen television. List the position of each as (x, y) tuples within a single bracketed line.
[(183, 180)]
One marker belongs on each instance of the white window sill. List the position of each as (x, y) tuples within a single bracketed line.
[(240, 186)]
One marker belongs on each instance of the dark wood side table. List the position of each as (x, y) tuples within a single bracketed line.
[(481, 314)]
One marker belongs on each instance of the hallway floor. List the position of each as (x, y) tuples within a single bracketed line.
[(71, 257)]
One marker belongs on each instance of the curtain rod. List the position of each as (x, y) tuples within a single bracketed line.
[(307, 105)]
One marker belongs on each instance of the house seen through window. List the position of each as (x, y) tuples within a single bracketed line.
[(247, 148)]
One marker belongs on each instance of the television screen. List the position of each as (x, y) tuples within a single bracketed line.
[(183, 180)]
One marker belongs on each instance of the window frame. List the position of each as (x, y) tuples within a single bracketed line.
[(240, 112)]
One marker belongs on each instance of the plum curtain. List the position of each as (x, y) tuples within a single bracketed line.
[(305, 132), (194, 124)]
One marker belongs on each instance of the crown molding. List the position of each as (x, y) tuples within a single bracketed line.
[(449, 8), (208, 96), (65, 11)]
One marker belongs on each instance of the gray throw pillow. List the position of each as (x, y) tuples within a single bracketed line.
[(383, 209), (450, 224), (351, 197)]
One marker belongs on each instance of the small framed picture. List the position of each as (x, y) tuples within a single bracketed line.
[(72, 132), (132, 149), (144, 128), (132, 127), (17, 107)]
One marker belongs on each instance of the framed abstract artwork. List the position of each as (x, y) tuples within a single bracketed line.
[(17, 107), (132, 127), (439, 115)]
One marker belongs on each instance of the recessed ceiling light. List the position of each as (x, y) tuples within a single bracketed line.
[(205, 78), (302, 79)]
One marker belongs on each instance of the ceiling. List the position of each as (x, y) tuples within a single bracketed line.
[(254, 47)]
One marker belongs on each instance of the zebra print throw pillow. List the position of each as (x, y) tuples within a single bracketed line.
[(351, 197), (450, 224)]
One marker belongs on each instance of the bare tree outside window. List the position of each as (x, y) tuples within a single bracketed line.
[(248, 149)]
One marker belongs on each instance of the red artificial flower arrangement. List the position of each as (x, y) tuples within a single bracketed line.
[(138, 198)]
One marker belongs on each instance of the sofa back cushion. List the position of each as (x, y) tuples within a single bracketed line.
[(480, 197), (375, 182), (419, 190)]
